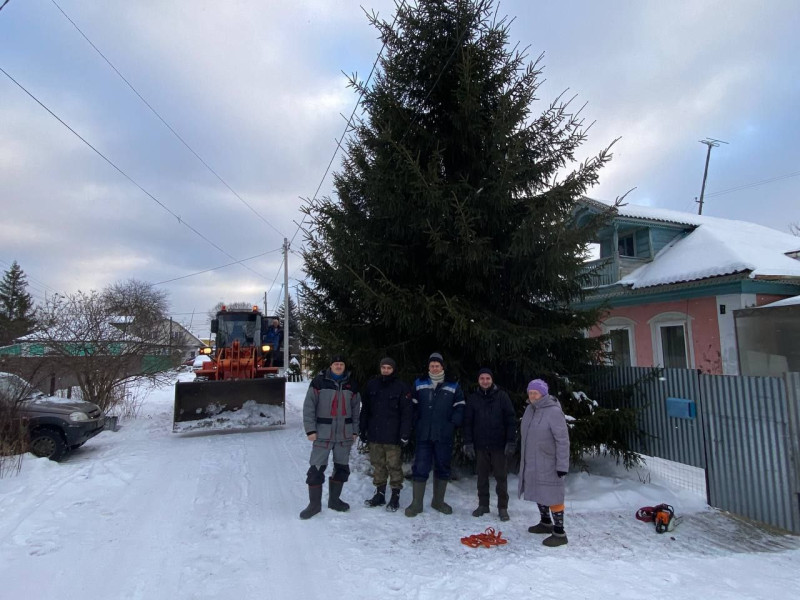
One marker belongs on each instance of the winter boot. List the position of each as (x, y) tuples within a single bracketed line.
[(416, 503), (438, 503), (394, 501), (379, 499), (334, 490), (555, 539), (480, 511), (559, 537), (503, 512), (314, 502), (541, 527), (545, 524)]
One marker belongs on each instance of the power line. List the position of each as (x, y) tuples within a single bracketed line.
[(747, 186), (347, 125), (167, 125), (124, 174), (219, 267)]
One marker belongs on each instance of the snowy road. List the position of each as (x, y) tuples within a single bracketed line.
[(146, 514)]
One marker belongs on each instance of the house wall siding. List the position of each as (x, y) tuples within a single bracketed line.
[(705, 332), (642, 241), (661, 237)]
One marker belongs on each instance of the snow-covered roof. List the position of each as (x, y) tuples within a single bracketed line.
[(713, 248), (793, 301)]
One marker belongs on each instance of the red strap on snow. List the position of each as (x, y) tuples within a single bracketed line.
[(487, 539)]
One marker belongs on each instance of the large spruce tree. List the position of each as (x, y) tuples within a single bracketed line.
[(16, 305), (452, 226)]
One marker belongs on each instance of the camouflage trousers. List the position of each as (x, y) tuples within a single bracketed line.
[(386, 465)]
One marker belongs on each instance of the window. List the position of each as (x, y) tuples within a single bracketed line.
[(626, 246), (672, 341), (620, 347), (673, 346)]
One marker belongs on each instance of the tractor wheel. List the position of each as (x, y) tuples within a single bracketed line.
[(47, 443)]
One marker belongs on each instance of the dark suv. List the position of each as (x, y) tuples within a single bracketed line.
[(54, 425)]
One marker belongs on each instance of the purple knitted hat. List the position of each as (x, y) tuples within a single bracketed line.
[(540, 386)]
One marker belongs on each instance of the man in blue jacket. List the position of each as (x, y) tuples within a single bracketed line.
[(438, 410)]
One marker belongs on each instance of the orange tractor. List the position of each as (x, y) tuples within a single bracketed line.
[(239, 387)]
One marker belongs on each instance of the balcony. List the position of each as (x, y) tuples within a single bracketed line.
[(609, 270)]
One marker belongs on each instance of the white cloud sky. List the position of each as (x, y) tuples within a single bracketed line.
[(257, 89)]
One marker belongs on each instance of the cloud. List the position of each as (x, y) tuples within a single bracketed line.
[(257, 90)]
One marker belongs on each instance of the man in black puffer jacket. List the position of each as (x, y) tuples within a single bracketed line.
[(490, 428), (385, 424)]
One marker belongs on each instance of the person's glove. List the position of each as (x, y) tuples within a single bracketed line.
[(561, 473), (469, 451), (404, 443), (511, 447)]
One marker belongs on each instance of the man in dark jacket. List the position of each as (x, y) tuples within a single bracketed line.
[(386, 425), (330, 419), (489, 437), (438, 410)]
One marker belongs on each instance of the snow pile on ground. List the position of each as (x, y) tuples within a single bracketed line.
[(251, 416), (144, 513)]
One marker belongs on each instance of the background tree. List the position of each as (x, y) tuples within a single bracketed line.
[(452, 228), (294, 325), (108, 339), (16, 306)]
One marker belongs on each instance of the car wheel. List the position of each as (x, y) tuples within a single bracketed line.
[(47, 443)]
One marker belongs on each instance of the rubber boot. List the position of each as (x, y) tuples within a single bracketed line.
[(438, 503), (394, 501), (379, 499), (416, 503), (314, 502), (503, 512), (480, 511), (334, 490)]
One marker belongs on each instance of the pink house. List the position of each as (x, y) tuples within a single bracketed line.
[(670, 284)]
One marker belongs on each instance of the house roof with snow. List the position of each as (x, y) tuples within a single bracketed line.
[(705, 247)]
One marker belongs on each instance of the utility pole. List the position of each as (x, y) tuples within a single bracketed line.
[(711, 143), (286, 305), (266, 313)]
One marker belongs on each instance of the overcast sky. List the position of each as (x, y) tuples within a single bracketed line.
[(255, 88)]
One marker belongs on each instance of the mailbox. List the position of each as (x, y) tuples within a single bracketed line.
[(681, 408)]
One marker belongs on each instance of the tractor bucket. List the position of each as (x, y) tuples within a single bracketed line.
[(229, 404)]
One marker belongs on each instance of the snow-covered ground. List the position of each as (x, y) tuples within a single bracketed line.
[(143, 513)]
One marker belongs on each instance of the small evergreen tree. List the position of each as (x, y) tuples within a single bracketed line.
[(453, 228), (294, 325), (16, 306)]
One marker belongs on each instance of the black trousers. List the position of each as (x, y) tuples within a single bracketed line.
[(492, 461)]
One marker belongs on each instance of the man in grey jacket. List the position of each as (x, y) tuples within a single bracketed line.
[(330, 418)]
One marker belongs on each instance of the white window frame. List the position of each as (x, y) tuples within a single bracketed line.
[(671, 319), (617, 323)]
